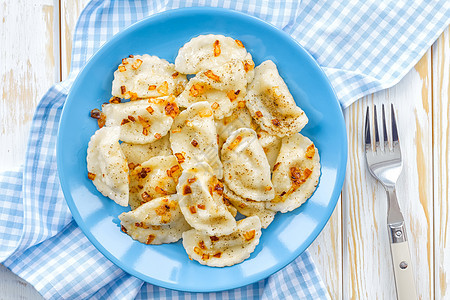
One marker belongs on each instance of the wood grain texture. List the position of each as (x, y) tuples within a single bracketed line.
[(13, 287), (367, 266), (28, 67), (70, 10), (326, 251), (441, 144)]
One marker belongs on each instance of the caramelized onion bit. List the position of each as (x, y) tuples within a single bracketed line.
[(249, 235), (234, 143), (187, 190), (137, 63), (310, 151), (180, 157), (95, 113), (239, 43), (150, 110), (172, 109), (216, 46), (196, 90), (232, 95), (163, 89), (150, 238), (212, 76)]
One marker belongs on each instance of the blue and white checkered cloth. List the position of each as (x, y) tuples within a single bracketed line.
[(363, 46)]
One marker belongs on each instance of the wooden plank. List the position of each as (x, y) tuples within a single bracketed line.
[(326, 251), (29, 65), (70, 11), (14, 287), (367, 266), (441, 137)]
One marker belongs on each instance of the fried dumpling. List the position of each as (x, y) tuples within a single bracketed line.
[(145, 76), (159, 221), (208, 51), (193, 137), (142, 121), (223, 87), (227, 250), (240, 118), (271, 104), (154, 178), (107, 165), (138, 153), (271, 145), (296, 173), (201, 201), (245, 166), (250, 208)]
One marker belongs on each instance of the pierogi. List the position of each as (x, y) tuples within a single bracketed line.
[(107, 165), (295, 174), (208, 51), (201, 201), (154, 178), (193, 138), (188, 154), (142, 121), (250, 208), (223, 87), (156, 222), (271, 104), (240, 118), (245, 166), (145, 76), (226, 250), (138, 153)]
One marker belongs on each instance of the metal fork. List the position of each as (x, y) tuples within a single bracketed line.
[(385, 164)]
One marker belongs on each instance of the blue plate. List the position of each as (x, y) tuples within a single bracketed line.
[(168, 265)]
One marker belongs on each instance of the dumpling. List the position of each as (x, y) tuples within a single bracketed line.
[(159, 221), (271, 145), (145, 76), (208, 51), (201, 201), (223, 87), (296, 173), (245, 166), (249, 67), (154, 178), (138, 153), (240, 118), (227, 250), (271, 104), (142, 121), (193, 137), (107, 166), (250, 207)]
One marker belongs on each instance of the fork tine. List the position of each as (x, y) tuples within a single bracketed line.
[(385, 137), (394, 125), (367, 137), (377, 136)]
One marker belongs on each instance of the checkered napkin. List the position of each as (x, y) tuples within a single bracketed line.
[(363, 46)]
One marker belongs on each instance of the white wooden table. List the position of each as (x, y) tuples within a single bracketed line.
[(352, 252)]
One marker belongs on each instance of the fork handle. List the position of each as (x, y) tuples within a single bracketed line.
[(403, 273)]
